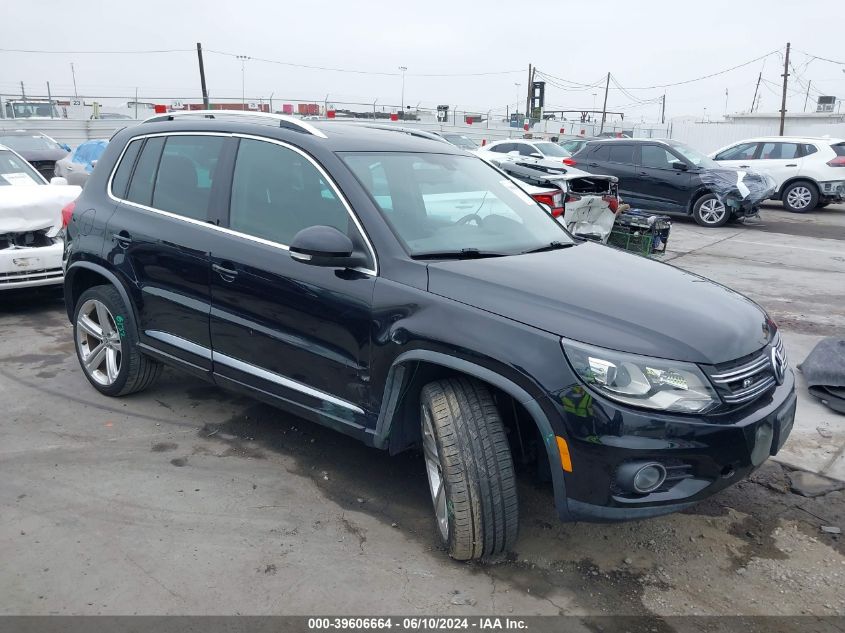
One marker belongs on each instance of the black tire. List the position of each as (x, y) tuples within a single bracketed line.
[(703, 216), (800, 196), (475, 465), (136, 371), (822, 205)]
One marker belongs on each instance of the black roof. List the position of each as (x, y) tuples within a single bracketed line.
[(340, 137), (629, 140)]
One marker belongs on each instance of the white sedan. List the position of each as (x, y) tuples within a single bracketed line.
[(30, 224)]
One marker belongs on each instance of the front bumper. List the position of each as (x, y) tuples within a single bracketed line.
[(31, 267), (707, 453)]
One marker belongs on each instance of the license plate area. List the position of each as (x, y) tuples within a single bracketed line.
[(782, 421)]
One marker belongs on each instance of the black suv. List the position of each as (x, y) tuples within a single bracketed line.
[(410, 295), (670, 177)]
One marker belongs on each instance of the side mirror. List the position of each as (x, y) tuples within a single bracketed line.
[(324, 246), (536, 155), (58, 180), (680, 166), (65, 146)]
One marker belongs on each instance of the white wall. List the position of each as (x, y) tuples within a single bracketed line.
[(67, 130), (708, 137)]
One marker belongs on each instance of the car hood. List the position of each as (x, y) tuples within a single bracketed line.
[(34, 207), (43, 154), (606, 297), (729, 183)]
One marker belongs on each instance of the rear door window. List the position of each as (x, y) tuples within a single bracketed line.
[(185, 175), (623, 154), (601, 152), (526, 150), (779, 151), (502, 148)]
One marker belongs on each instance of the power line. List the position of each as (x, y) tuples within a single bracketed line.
[(364, 72), (716, 74), (169, 50), (824, 59)]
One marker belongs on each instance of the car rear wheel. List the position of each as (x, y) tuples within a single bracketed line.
[(469, 468), (107, 344), (710, 211), (800, 197)]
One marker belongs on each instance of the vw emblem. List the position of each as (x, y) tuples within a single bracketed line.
[(778, 365)]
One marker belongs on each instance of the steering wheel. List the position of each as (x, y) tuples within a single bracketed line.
[(469, 217)]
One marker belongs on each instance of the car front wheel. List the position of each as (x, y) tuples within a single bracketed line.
[(800, 197), (710, 211), (469, 468)]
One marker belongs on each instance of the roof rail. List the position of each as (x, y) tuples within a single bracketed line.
[(410, 131), (288, 122)]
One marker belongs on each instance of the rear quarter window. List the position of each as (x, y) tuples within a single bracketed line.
[(839, 148), (121, 175)]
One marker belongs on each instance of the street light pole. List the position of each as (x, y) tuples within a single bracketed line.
[(243, 59), (403, 69), (516, 107)]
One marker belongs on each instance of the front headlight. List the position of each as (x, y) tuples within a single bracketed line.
[(652, 383)]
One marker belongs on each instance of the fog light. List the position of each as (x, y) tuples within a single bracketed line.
[(641, 477), (762, 444)]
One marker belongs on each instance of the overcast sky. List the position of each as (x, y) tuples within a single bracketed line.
[(641, 43)]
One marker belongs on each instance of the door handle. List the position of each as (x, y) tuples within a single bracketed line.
[(792, 165), (227, 274), (643, 173), (123, 239), (593, 164), (745, 166)]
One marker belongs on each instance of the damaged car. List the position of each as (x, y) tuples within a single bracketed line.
[(30, 224), (671, 177), (39, 150), (585, 204)]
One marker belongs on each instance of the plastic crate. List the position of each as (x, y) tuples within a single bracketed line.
[(642, 233)]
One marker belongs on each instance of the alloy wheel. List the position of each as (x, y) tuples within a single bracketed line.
[(712, 211), (99, 344), (799, 197), (435, 474)]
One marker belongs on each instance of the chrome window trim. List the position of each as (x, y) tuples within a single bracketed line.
[(373, 271), (181, 343), (284, 381)]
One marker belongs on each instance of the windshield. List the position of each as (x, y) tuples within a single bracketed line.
[(441, 203), (692, 155), (461, 141), (30, 110), (15, 171), (28, 143), (552, 149)]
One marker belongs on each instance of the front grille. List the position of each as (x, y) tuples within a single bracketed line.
[(37, 274), (743, 383)]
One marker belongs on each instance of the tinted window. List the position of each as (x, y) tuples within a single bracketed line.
[(743, 151), (502, 148), (622, 154), (779, 151), (601, 152), (141, 187), (121, 176), (839, 148), (185, 174), (552, 149), (526, 150), (22, 143), (810, 149), (276, 193), (656, 157)]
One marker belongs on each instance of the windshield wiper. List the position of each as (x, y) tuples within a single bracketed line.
[(464, 253), (553, 246)]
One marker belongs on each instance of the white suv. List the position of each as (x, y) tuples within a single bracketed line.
[(809, 171), (530, 148)]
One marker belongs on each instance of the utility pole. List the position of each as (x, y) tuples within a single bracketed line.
[(136, 103), (50, 99), (243, 59), (663, 110), (756, 88), (604, 107), (530, 88), (783, 98), (205, 103), (403, 69), (73, 74), (23, 93), (807, 98), (726, 101)]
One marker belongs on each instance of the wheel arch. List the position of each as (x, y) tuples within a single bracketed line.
[(80, 276), (415, 368), (791, 181), (697, 194)]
